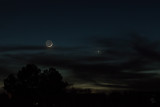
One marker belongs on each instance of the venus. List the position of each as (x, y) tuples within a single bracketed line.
[(49, 43)]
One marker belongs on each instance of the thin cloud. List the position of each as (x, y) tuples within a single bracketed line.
[(35, 48), (117, 65)]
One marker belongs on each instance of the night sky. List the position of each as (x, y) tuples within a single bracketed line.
[(97, 45)]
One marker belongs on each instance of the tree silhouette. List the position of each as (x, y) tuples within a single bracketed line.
[(33, 84)]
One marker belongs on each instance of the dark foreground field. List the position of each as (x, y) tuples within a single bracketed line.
[(71, 99)]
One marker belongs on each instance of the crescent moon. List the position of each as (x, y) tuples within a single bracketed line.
[(49, 43)]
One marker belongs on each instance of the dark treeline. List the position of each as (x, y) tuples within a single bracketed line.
[(32, 87)]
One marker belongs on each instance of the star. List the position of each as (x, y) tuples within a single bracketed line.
[(99, 52)]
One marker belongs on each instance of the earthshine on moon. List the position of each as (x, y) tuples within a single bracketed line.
[(49, 43)]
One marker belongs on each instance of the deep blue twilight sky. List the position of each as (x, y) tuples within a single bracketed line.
[(98, 45)]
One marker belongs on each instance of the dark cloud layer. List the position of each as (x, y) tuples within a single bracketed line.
[(121, 61), (35, 48)]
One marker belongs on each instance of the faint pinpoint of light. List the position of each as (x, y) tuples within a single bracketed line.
[(36, 103), (99, 52)]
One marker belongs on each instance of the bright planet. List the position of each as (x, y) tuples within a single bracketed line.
[(49, 43)]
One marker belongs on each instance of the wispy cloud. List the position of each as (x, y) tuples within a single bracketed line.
[(121, 61)]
